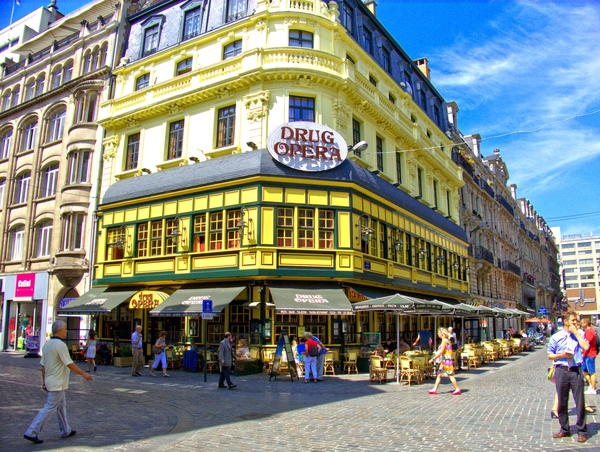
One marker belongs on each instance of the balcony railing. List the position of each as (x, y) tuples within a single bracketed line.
[(529, 280), (484, 254), (504, 203), (484, 185), (511, 267), (460, 160)]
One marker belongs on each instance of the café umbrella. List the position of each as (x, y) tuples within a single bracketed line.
[(399, 304)]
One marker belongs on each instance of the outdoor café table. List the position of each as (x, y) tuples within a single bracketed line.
[(190, 360)]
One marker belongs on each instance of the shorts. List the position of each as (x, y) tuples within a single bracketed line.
[(589, 365)]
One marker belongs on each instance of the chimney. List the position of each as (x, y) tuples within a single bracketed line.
[(372, 5), (513, 190), (423, 64)]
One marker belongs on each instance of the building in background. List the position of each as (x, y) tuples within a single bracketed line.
[(53, 80)]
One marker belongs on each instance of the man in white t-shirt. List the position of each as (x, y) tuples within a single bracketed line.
[(56, 363)]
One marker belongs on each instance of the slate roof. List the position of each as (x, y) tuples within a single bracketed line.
[(260, 163)]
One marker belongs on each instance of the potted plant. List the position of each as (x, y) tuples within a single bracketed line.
[(123, 356)]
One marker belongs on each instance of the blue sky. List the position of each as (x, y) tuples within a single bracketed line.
[(525, 75)]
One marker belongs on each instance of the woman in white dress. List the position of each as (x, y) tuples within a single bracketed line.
[(90, 349)]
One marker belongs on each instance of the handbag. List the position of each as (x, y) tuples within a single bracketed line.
[(156, 350), (551, 374)]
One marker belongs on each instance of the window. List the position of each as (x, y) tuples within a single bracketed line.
[(306, 228), (95, 59), (302, 109), (68, 72), (586, 269), (87, 61), (133, 151), (142, 240), (226, 126), (379, 152), (232, 49), (301, 38), (449, 203), (423, 98), (385, 59), (420, 182), (171, 239), (236, 9), (584, 244), (39, 85), (356, 135), (216, 231), (233, 230), (348, 14), (5, 141), (115, 243), (398, 167), (285, 227), (572, 262), (570, 270), (191, 23), (175, 140), (2, 190), (568, 245), (373, 80), (22, 188), (183, 67), (142, 82), (56, 77), (15, 95), (569, 253), (326, 230), (16, 246), (6, 100), (79, 166), (85, 107), (200, 233), (367, 39), (585, 252), (48, 188), (30, 89), (586, 261), (391, 98), (436, 115), (435, 194), (150, 45), (29, 133), (72, 231), (44, 239), (56, 125)]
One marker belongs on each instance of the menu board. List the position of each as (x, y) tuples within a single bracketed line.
[(283, 345)]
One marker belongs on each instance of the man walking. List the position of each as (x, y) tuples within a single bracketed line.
[(589, 356), (321, 357), (56, 363), (565, 349), (225, 361), (136, 350), (423, 340)]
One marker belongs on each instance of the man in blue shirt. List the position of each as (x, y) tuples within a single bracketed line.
[(423, 339), (565, 349), (320, 359), (136, 351)]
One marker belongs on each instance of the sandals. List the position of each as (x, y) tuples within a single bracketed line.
[(152, 374), (166, 375), (589, 409)]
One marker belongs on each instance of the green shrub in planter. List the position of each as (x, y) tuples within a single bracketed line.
[(124, 351)]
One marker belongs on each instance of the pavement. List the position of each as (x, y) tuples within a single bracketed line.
[(505, 406)]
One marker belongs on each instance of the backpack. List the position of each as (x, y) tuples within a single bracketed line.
[(314, 351)]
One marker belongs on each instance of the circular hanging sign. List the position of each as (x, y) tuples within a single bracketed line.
[(307, 146)]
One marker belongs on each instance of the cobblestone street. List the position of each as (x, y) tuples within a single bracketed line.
[(504, 406)]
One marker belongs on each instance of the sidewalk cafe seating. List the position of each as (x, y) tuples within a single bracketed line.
[(212, 363), (173, 361), (75, 355), (267, 359), (377, 371), (490, 353), (390, 361), (351, 362), (408, 372), (473, 359), (515, 346), (329, 363), (420, 363)]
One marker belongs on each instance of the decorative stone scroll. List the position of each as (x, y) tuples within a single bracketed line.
[(257, 105), (111, 145)]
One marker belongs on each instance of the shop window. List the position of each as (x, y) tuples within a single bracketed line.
[(72, 230), (133, 150), (49, 178), (290, 330), (142, 240), (302, 109), (156, 238), (288, 323), (301, 38), (226, 126), (232, 49), (317, 325), (16, 244), (192, 23), (216, 329), (44, 239), (56, 125), (115, 243), (199, 233), (29, 135), (216, 231), (175, 140), (79, 165), (183, 67), (22, 187), (5, 142), (233, 229), (326, 229), (142, 82), (306, 228), (285, 227)]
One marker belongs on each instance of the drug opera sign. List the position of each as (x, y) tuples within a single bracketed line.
[(307, 146)]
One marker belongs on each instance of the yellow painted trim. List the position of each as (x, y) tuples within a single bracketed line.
[(155, 266), (305, 260), (208, 262)]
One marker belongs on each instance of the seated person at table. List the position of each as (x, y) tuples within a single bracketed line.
[(242, 350), (424, 339), (389, 346), (193, 345), (402, 346), (379, 351)]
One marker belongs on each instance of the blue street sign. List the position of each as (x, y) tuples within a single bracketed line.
[(543, 310), (207, 306)]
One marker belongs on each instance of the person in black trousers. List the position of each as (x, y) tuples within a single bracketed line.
[(225, 361)]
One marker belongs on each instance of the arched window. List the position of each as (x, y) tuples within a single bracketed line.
[(68, 71), (104, 54), (29, 134), (79, 165), (56, 124), (43, 238), (39, 86), (6, 99), (72, 231), (30, 89), (2, 191), (22, 187), (5, 141), (85, 106), (15, 95), (17, 234), (95, 58), (56, 78), (87, 61), (49, 178)]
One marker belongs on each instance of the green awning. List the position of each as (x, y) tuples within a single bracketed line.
[(101, 300), (313, 300), (187, 301)]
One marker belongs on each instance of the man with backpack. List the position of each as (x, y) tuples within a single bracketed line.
[(589, 355), (312, 350)]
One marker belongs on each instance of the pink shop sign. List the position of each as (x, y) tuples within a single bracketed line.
[(25, 285)]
